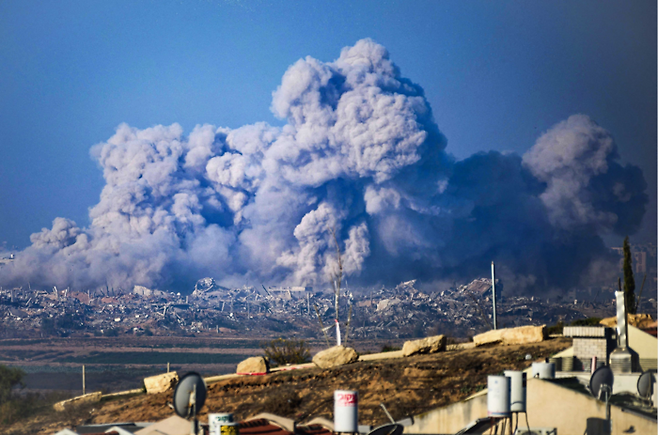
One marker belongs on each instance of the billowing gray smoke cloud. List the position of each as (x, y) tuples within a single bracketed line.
[(359, 155)]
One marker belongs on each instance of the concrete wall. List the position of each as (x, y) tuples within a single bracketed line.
[(548, 405), (645, 345), (450, 419)]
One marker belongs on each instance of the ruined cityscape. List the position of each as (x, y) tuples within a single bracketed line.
[(210, 310), (314, 218)]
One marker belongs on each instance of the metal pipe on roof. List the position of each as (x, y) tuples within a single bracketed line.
[(622, 319)]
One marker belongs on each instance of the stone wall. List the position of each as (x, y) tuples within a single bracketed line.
[(588, 342)]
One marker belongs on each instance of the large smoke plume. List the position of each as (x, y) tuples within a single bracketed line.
[(360, 155)]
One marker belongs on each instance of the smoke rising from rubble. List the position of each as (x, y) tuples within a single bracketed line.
[(360, 153)]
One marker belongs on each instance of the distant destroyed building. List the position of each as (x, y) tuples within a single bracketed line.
[(481, 288), (143, 291), (204, 285), (297, 292), (408, 309), (208, 286)]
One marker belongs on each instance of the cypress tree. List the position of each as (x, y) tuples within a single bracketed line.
[(629, 282)]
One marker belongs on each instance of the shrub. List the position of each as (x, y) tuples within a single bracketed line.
[(10, 377), (390, 348), (590, 321), (15, 407), (555, 329), (283, 351)]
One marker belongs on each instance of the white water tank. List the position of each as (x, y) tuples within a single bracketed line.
[(543, 370), (498, 396), (518, 387), (346, 411)]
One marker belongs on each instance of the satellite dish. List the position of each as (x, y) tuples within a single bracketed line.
[(645, 385), (189, 395), (601, 382), (387, 429)]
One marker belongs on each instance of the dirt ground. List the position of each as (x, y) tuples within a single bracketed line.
[(406, 386)]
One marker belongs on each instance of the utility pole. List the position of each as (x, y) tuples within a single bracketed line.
[(493, 290), (336, 280)]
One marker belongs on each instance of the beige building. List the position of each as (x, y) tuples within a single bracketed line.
[(563, 403), (559, 403)]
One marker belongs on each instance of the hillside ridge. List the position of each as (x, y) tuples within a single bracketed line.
[(407, 386)]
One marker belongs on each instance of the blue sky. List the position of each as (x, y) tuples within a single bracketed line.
[(497, 75)]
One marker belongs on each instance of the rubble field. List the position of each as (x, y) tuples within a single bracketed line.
[(407, 386), (408, 310)]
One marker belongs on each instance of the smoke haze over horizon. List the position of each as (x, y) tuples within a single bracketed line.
[(361, 154)]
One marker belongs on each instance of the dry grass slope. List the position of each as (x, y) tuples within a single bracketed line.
[(407, 386)]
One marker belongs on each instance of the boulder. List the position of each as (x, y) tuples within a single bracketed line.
[(87, 398), (161, 383), (335, 356), (525, 334), (640, 321), (492, 336), (433, 344), (256, 364), (519, 335)]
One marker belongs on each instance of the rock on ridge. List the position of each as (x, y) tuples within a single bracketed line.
[(256, 364), (520, 335), (160, 383), (87, 398), (335, 356), (433, 344)]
